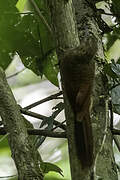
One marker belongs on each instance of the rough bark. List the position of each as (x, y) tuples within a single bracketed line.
[(23, 153), (73, 25)]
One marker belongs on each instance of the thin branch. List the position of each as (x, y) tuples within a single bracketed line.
[(115, 132), (15, 125), (17, 13), (109, 14), (1, 139), (117, 142), (111, 114), (8, 176), (15, 74), (33, 114), (45, 133), (58, 125), (49, 98), (42, 117), (40, 15)]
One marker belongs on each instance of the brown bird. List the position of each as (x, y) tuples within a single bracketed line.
[(77, 71)]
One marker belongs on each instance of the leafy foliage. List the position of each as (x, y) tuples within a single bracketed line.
[(116, 69), (50, 69), (47, 167), (113, 71), (29, 37), (20, 5), (48, 121), (111, 38), (115, 94), (108, 70), (112, 12), (8, 20), (115, 7)]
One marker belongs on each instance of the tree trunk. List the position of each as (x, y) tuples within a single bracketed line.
[(25, 156), (78, 37)]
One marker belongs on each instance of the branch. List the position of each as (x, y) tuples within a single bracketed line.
[(49, 98), (115, 132), (19, 141), (17, 13), (58, 125), (12, 176), (111, 113), (40, 15), (42, 117), (109, 14), (15, 74), (45, 133)]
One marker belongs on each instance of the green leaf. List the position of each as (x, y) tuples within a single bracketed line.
[(20, 5), (8, 20), (118, 61), (29, 37), (116, 69), (7, 5), (116, 108), (116, 6), (32, 64), (111, 38), (50, 68), (108, 70), (5, 58), (115, 94), (115, 9), (47, 167)]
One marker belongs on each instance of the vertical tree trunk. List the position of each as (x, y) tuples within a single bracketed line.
[(75, 28), (26, 158)]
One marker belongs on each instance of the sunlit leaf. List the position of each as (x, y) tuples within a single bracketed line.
[(111, 40), (47, 167), (20, 5)]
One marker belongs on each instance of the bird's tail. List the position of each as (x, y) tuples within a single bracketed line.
[(84, 141)]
